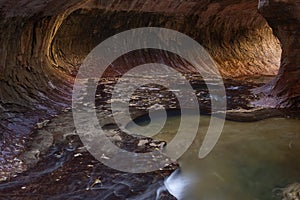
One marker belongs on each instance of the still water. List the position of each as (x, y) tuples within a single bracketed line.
[(250, 160)]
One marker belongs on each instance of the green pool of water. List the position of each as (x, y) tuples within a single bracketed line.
[(250, 160)]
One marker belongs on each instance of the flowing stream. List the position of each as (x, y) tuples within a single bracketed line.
[(250, 161)]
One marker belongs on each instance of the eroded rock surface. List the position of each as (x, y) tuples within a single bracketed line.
[(284, 18), (43, 42)]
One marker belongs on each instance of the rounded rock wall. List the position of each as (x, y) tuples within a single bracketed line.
[(43, 42)]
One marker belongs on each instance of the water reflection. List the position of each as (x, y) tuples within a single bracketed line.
[(249, 161)]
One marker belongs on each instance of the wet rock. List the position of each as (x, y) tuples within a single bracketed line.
[(60, 166), (41, 143), (291, 192), (42, 124), (284, 90)]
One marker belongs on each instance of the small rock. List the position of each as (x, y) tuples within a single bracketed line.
[(42, 124), (142, 142)]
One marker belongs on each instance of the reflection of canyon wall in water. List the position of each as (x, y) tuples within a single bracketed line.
[(42, 44)]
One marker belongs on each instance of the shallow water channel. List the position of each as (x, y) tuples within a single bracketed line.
[(250, 161)]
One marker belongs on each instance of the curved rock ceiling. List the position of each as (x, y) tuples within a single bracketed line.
[(43, 42)]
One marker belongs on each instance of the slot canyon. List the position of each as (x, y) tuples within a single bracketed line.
[(254, 44)]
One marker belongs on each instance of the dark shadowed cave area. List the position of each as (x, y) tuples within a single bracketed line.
[(254, 44)]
